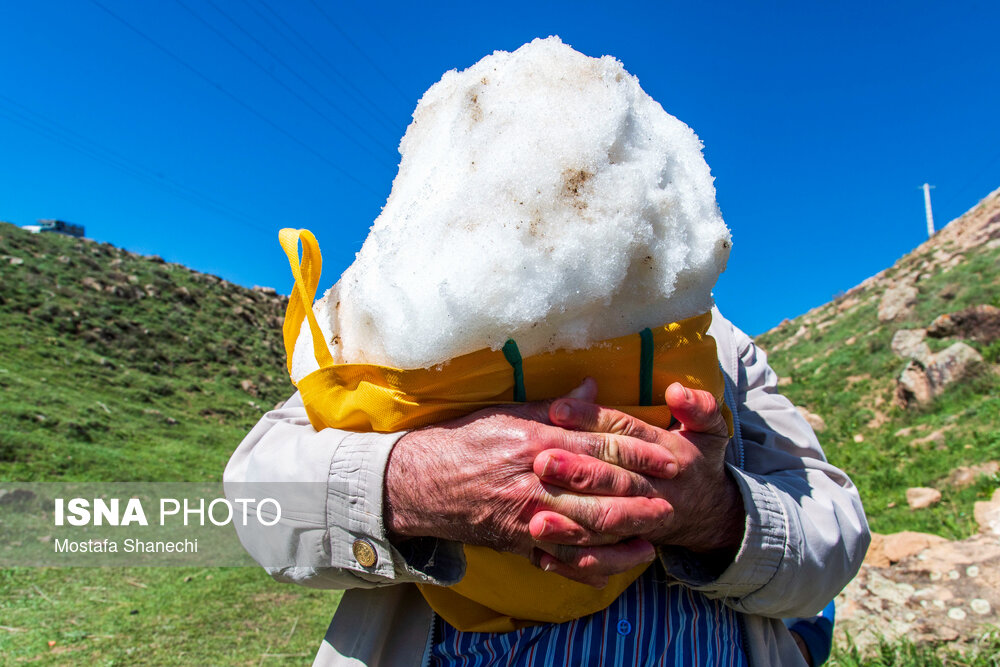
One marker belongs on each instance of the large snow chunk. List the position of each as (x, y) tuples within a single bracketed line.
[(542, 196)]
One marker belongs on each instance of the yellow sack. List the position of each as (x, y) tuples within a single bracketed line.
[(500, 591)]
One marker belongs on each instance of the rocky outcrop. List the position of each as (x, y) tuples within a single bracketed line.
[(979, 323), (920, 382), (897, 302), (909, 344)]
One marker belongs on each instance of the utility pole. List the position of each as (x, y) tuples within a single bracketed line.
[(927, 207)]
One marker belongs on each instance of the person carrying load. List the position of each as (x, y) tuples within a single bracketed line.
[(666, 503)]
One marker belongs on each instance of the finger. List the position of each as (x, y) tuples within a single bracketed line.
[(593, 565), (640, 456), (696, 410), (587, 391), (609, 515), (546, 526), (586, 474), (588, 416)]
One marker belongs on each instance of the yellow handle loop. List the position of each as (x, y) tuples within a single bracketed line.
[(303, 293)]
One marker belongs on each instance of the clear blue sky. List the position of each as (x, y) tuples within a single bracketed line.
[(195, 129)]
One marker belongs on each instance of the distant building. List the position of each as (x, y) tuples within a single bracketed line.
[(57, 226)]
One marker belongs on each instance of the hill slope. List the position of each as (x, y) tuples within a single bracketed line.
[(838, 362), (117, 367)]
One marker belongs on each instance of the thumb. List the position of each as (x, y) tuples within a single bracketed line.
[(696, 410)]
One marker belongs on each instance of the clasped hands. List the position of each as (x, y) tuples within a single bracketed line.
[(582, 490)]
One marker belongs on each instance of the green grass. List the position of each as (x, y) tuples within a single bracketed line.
[(846, 373), (158, 616), (981, 652), (105, 386)]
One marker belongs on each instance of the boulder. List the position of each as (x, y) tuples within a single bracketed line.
[(909, 344), (951, 365), (965, 476), (922, 380), (897, 302), (922, 497), (979, 323), (987, 513), (913, 387)]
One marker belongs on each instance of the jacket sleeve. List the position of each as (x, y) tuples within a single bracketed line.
[(806, 533), (329, 486)]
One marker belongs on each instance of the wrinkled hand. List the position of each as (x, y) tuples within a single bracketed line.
[(704, 511), (472, 480)]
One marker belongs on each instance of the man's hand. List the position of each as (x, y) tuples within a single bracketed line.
[(704, 511), (472, 480)]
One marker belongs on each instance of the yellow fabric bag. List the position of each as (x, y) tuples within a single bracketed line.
[(500, 591)]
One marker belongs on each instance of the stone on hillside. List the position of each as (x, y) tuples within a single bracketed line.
[(858, 438), (91, 283), (15, 261), (897, 302), (951, 365), (249, 387), (921, 381), (987, 513), (888, 549), (922, 497), (965, 476), (909, 344), (812, 419), (935, 438), (908, 543), (980, 323)]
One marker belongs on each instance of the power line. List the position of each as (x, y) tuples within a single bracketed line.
[(350, 41), (295, 94), (327, 68), (237, 100), (37, 123), (288, 67)]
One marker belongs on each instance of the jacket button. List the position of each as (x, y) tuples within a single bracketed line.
[(365, 553)]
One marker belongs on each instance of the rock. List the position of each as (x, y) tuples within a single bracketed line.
[(913, 387), (898, 546), (270, 291), (858, 438), (965, 476), (888, 549), (979, 323), (921, 497), (813, 420), (909, 344), (15, 261), (249, 387), (921, 381), (951, 365), (935, 438), (897, 302), (987, 513), (91, 283)]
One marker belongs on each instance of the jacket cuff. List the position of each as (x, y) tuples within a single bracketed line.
[(760, 553), (355, 514)]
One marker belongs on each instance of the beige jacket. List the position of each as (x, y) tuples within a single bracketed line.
[(805, 538)]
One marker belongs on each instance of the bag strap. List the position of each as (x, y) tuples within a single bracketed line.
[(300, 302)]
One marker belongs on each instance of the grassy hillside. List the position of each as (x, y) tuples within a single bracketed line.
[(838, 363), (117, 367)]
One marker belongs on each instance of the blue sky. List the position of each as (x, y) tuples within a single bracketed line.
[(195, 129)]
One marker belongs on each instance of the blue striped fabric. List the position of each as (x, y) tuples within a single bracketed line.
[(651, 623)]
